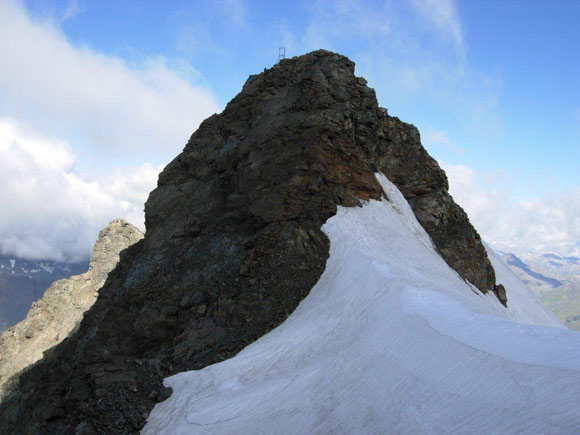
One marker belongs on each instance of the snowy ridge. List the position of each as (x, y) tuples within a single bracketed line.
[(390, 340)]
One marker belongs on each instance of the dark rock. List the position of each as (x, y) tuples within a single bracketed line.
[(164, 394), (499, 291), (53, 411), (234, 243)]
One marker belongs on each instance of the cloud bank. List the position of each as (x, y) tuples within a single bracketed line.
[(549, 224), (443, 17), (49, 210), (118, 109)]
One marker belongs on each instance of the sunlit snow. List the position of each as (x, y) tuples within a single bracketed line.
[(390, 340)]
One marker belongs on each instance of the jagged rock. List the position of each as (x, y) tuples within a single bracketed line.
[(233, 243), (114, 239), (499, 291), (58, 314)]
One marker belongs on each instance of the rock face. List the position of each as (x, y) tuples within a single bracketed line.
[(233, 243), (58, 314)]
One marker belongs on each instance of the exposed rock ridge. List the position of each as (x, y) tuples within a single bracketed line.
[(59, 312), (233, 243)]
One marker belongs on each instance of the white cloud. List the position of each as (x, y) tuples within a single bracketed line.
[(332, 22), (233, 10), (71, 10), (142, 111), (548, 224), (545, 224), (440, 138), (49, 210), (443, 16)]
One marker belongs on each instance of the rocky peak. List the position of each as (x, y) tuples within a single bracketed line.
[(113, 239), (301, 138), (234, 242), (59, 312)]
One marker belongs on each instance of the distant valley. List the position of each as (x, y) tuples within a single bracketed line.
[(555, 278)]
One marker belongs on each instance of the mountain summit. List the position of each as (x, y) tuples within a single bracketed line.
[(234, 242)]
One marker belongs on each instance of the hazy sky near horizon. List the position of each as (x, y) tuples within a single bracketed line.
[(97, 96)]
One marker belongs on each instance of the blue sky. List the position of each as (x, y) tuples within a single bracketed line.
[(492, 85), (521, 55)]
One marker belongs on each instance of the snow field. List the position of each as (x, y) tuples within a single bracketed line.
[(390, 340)]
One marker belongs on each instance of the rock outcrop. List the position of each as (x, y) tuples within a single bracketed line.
[(233, 243), (58, 314)]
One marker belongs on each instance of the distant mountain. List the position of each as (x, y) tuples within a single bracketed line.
[(554, 263), (514, 261), (58, 313), (24, 281), (555, 278)]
